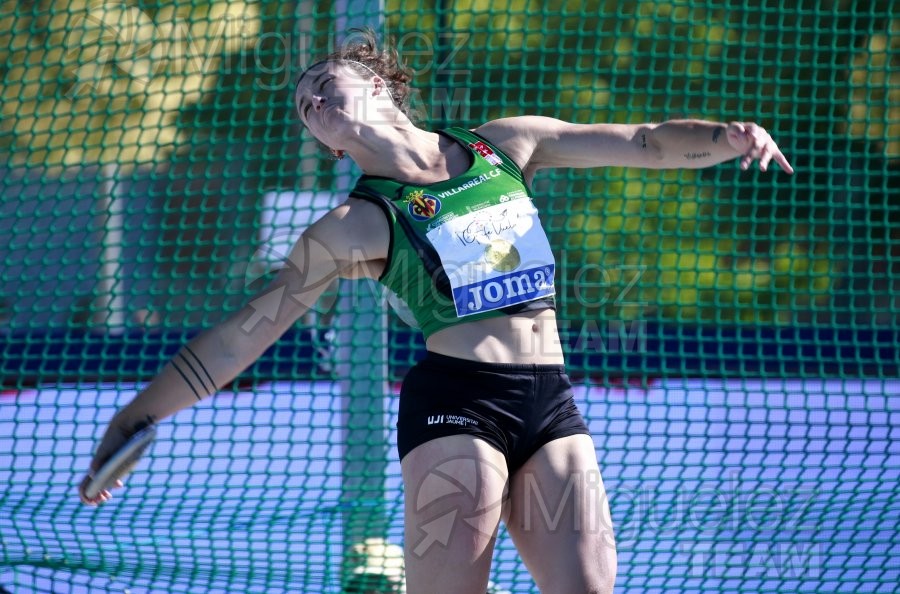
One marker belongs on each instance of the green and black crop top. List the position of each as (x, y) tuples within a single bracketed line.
[(468, 248)]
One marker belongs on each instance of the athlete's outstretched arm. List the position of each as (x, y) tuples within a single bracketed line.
[(215, 357), (538, 142)]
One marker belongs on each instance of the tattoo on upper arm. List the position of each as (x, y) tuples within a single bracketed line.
[(692, 156), (716, 133)]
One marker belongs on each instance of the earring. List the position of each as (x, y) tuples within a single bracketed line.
[(337, 154)]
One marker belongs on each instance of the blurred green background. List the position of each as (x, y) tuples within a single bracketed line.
[(187, 106)]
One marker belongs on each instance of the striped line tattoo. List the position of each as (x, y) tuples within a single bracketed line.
[(212, 382), (196, 373), (186, 380)]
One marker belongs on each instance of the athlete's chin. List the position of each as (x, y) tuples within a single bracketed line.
[(336, 115), (336, 123), (343, 133)]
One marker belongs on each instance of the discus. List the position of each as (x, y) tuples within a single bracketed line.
[(122, 462)]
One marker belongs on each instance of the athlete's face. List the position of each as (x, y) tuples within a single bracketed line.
[(333, 101)]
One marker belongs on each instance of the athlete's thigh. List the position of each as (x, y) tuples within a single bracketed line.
[(454, 489), (560, 521)]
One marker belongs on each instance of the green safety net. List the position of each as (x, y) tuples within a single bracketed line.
[(732, 334)]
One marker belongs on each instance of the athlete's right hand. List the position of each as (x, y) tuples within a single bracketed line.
[(116, 435)]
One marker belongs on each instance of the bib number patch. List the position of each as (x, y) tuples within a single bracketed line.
[(495, 257)]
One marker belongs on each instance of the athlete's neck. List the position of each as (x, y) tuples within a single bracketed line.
[(404, 152)]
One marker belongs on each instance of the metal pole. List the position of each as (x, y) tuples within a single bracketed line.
[(361, 355), (109, 301), (441, 81)]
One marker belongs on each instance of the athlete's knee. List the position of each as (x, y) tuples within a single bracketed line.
[(595, 575), (604, 578), (604, 586), (601, 581), (591, 585)]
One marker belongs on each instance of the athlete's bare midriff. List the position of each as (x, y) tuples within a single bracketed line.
[(530, 337)]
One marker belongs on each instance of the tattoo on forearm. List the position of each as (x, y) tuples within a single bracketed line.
[(186, 380), (693, 156), (643, 141), (212, 382), (716, 133), (148, 420)]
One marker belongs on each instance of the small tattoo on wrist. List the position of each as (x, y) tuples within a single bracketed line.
[(716, 133)]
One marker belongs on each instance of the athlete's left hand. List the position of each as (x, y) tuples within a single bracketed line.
[(753, 142)]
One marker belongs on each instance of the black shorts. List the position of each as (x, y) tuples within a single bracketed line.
[(516, 408)]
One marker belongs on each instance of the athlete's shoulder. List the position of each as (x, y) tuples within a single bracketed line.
[(356, 228), (368, 187), (516, 136)]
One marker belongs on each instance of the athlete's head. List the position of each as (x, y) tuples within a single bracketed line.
[(360, 84)]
